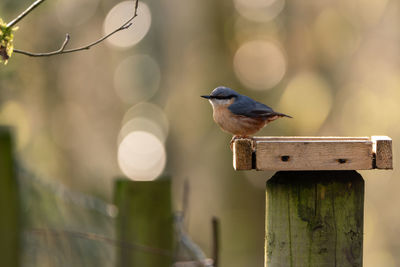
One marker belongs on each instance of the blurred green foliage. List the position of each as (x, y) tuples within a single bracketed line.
[(6, 41)]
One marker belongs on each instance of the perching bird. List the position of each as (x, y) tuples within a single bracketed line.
[(238, 114)]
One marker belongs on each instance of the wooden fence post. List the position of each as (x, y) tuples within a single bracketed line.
[(9, 203), (315, 203), (144, 223), (314, 218)]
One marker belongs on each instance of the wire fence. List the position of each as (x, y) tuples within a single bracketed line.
[(62, 227)]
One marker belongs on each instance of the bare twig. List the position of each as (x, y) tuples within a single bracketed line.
[(97, 237), (185, 198), (67, 37), (200, 259), (192, 247), (62, 49), (215, 237), (26, 12)]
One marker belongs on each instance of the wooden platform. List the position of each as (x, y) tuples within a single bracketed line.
[(313, 153)]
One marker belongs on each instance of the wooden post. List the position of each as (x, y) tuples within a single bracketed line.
[(314, 208), (314, 218), (9, 203), (144, 223)]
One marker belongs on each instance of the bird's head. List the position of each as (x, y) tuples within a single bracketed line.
[(222, 96)]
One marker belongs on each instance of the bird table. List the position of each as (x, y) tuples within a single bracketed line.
[(315, 202)]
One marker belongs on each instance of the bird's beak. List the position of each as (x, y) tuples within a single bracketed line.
[(205, 96)]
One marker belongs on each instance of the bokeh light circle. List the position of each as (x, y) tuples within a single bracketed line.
[(145, 117), (137, 78), (118, 15), (259, 65), (357, 99), (141, 156), (141, 124), (308, 99), (259, 10), (335, 36)]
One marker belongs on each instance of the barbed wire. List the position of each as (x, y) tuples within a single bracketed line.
[(97, 237), (29, 178), (67, 195), (43, 232)]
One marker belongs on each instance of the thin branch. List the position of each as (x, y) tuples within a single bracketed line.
[(67, 37), (185, 198), (26, 12), (192, 247), (215, 237), (62, 50)]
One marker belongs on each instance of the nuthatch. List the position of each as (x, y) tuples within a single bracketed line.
[(238, 114)]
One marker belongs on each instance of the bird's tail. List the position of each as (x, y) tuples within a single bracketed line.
[(282, 115)]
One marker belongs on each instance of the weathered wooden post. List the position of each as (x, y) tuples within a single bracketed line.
[(9, 203), (144, 223), (315, 203)]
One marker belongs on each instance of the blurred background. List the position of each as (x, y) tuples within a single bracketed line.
[(130, 106)]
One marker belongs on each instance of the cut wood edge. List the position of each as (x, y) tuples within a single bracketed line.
[(243, 154), (382, 149)]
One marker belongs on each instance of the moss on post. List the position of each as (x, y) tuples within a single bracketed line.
[(9, 203), (314, 218), (144, 223)]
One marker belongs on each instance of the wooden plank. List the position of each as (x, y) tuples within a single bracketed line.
[(242, 154), (10, 223), (313, 153), (383, 152), (144, 223), (315, 219), (310, 138)]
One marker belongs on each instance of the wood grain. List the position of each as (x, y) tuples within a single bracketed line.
[(313, 153), (383, 152), (242, 154), (314, 218)]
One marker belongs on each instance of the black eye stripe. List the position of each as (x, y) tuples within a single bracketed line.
[(223, 97)]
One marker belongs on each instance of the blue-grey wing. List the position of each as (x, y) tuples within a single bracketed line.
[(248, 107)]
